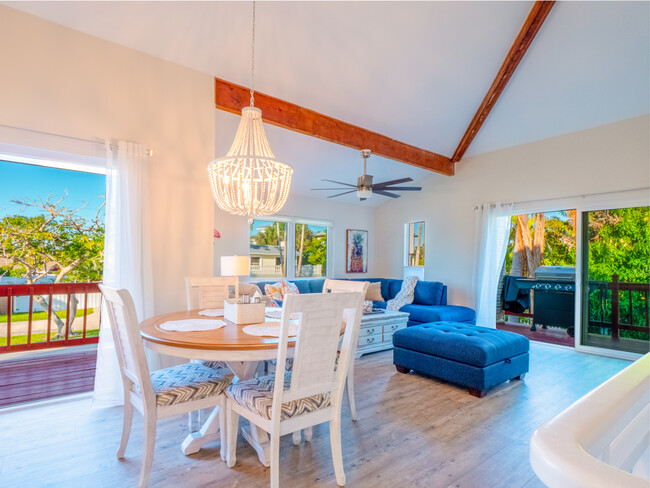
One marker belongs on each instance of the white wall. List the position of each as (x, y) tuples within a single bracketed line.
[(609, 158), (58, 80)]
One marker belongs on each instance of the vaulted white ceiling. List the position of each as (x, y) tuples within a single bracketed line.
[(414, 71)]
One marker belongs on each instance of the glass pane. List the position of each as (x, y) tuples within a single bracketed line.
[(268, 244), (537, 292), (616, 279), (416, 244), (311, 250)]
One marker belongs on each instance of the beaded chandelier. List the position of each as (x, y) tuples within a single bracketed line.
[(249, 180)]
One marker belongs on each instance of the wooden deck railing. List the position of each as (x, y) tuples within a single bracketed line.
[(63, 336), (616, 289)]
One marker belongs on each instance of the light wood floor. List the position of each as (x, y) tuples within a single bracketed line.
[(412, 431)]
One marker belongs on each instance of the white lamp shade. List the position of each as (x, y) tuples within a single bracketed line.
[(235, 265)]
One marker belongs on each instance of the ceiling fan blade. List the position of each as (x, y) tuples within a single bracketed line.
[(385, 193), (344, 193), (341, 183), (391, 182), (312, 189), (402, 188)]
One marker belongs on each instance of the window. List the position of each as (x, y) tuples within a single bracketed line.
[(311, 250), (268, 245), (271, 257), (415, 236)]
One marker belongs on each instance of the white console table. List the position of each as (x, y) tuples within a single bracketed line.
[(377, 329)]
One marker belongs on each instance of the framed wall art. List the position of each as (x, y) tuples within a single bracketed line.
[(356, 251)]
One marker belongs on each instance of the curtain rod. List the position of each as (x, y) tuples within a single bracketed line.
[(525, 202), (113, 146)]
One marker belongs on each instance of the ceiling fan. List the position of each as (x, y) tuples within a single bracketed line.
[(365, 188)]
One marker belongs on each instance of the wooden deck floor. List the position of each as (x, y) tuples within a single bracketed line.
[(412, 431), (46, 374), (555, 336)]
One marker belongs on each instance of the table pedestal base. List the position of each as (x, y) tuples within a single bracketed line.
[(209, 432)]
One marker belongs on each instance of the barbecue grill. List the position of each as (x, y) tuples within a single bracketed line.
[(554, 304)]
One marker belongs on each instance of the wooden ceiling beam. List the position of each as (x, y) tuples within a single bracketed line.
[(524, 39), (232, 98)]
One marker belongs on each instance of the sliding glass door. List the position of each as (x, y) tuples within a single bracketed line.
[(616, 279)]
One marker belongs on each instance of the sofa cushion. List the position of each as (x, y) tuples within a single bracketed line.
[(374, 292), (464, 343), (316, 286), (437, 313), (428, 293), (394, 287), (302, 285)]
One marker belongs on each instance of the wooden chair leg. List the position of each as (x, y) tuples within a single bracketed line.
[(308, 434), (126, 429), (232, 428), (149, 445), (275, 461), (223, 448), (337, 453), (350, 390), (296, 436)]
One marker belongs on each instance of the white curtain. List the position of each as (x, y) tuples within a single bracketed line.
[(493, 230), (127, 255)]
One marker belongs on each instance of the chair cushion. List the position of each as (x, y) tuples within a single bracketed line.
[(463, 343), (428, 293), (257, 395), (186, 382), (213, 364)]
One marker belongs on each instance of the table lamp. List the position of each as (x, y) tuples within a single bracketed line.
[(235, 266)]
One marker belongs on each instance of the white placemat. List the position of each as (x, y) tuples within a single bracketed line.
[(191, 325), (212, 312), (269, 329), (276, 313)]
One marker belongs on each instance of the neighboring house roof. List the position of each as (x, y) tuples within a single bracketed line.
[(258, 250)]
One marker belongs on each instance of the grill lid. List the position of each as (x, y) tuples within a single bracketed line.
[(556, 273)]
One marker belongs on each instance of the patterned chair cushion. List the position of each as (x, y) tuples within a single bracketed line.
[(186, 382), (288, 366), (257, 395), (213, 364)]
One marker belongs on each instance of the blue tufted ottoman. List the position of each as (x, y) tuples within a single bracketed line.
[(476, 357)]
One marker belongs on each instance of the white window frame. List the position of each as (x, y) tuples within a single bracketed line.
[(291, 251)]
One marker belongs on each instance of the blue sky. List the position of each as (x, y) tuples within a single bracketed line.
[(26, 181)]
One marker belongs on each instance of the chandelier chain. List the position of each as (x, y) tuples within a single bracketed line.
[(253, 61)]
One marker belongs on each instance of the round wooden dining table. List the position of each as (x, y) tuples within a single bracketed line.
[(241, 352)]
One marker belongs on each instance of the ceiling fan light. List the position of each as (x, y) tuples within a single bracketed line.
[(364, 192)]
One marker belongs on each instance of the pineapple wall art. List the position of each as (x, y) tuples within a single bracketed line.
[(357, 251)]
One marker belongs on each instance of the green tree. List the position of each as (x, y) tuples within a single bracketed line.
[(57, 241)]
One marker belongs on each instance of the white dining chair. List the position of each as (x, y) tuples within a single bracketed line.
[(156, 394), (311, 393), (344, 286), (207, 292)]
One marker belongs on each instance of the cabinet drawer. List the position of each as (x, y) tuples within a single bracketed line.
[(389, 329), (368, 331), (370, 339)]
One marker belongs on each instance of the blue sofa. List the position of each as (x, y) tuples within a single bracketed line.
[(429, 304)]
